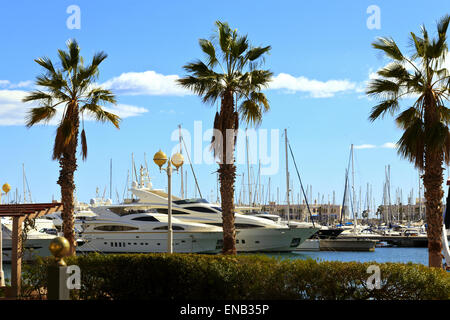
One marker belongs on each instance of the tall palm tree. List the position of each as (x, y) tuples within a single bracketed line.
[(426, 138), (230, 73), (71, 86)]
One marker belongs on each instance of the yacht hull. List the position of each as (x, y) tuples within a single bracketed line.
[(271, 239), (33, 249), (149, 242)]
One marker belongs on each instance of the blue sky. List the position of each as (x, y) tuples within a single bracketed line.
[(322, 51)]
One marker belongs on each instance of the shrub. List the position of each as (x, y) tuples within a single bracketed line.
[(194, 277)]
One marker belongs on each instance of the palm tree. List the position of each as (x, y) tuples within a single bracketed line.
[(426, 138), (71, 86), (230, 73)]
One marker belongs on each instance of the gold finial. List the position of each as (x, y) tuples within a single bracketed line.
[(177, 160), (6, 187), (160, 158), (59, 247)]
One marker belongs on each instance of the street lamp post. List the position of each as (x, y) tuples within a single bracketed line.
[(177, 160)]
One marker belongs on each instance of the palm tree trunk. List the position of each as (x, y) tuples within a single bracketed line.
[(432, 181), (227, 173), (68, 165)]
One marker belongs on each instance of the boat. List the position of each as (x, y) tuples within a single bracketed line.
[(36, 243), (347, 245), (255, 234), (142, 232), (309, 245)]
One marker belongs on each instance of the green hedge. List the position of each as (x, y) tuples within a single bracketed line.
[(192, 277)]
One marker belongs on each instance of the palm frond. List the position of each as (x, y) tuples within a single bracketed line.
[(383, 88), (250, 112), (210, 51), (37, 95), (411, 145), (39, 114), (101, 115), (389, 47), (383, 107), (83, 145)]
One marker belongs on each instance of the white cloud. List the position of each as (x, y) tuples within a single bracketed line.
[(22, 84), (365, 146), (13, 111), (145, 83), (316, 88), (389, 145), (4, 83), (153, 83), (125, 110)]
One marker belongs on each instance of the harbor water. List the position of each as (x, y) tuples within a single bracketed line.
[(380, 255)]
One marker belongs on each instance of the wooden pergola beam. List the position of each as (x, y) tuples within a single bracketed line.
[(16, 258), (19, 212)]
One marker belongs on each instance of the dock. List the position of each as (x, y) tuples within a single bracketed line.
[(398, 241), (347, 244), (337, 245)]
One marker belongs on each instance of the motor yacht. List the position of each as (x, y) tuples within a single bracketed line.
[(254, 234), (138, 232), (35, 244)]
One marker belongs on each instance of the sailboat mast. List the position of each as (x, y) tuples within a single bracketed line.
[(248, 173), (181, 152), (287, 177), (110, 179), (353, 190)]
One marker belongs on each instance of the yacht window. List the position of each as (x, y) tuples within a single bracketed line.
[(246, 226), (268, 218), (115, 228), (146, 218), (165, 228), (186, 201), (201, 209), (217, 224), (123, 211), (174, 211)]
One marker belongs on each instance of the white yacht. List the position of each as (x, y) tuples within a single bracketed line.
[(254, 234), (143, 233), (36, 243)]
